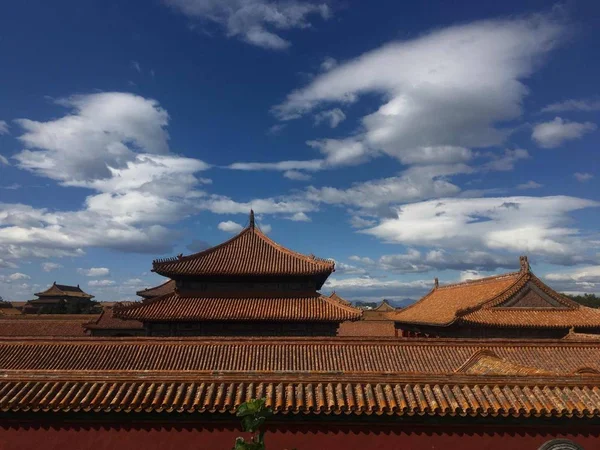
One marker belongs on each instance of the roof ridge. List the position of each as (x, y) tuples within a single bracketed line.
[(342, 304), (479, 280)]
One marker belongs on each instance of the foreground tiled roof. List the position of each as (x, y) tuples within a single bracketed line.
[(384, 328), (61, 290), (157, 291), (293, 398), (286, 355), (494, 301), (310, 376), (177, 307), (248, 253), (44, 325)]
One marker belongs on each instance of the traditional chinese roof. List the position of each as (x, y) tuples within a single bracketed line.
[(183, 307), (107, 321), (384, 306), (250, 253), (370, 328), (45, 325), (166, 288), (63, 290), (518, 299), (310, 376)]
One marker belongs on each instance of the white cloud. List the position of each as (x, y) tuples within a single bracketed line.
[(552, 134), (94, 272), (328, 63), (449, 88), (4, 161), (116, 145), (355, 288), (347, 269), (310, 165), (135, 282), (573, 105), (581, 280), (3, 127), (136, 65), (362, 259), (101, 283), (50, 266), (299, 217), (333, 116), (296, 175), (254, 21), (219, 204), (4, 264), (530, 185), (230, 227), (265, 228), (582, 177), (17, 276), (506, 161), (535, 225), (437, 259), (467, 275)]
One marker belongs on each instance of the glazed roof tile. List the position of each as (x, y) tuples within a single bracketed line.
[(397, 399), (339, 357), (107, 321), (384, 328), (177, 307), (60, 290), (44, 325), (484, 302), (157, 291), (249, 253)]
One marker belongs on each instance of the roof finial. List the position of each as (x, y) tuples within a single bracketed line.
[(252, 219), (524, 264), (436, 282)]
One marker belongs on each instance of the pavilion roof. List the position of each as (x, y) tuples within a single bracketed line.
[(63, 290), (517, 299), (250, 253), (107, 321), (326, 376), (190, 307), (166, 288)]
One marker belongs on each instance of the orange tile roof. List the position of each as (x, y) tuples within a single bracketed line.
[(384, 328), (486, 362), (156, 291), (44, 325), (481, 302), (177, 307), (63, 290), (248, 253), (107, 321), (398, 399), (337, 357)]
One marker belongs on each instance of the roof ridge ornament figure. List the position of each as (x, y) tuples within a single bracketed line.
[(524, 264), (436, 283), (252, 224)]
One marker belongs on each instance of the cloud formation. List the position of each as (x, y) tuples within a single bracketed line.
[(257, 22), (552, 134), (573, 105), (449, 88), (230, 226), (50, 266), (94, 272), (3, 127)]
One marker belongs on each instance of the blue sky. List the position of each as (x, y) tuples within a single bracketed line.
[(404, 141)]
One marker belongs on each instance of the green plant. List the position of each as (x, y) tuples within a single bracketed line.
[(253, 414)]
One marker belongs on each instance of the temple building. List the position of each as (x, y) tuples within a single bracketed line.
[(246, 286), (513, 305), (57, 298)]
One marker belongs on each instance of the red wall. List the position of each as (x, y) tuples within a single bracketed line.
[(301, 437)]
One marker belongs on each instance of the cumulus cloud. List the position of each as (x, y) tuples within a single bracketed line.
[(116, 145), (299, 217), (17, 276), (3, 127), (536, 225), (582, 177), (552, 134), (530, 185), (449, 88), (50, 266), (101, 283), (573, 105), (230, 226), (257, 22), (94, 272), (581, 280), (332, 116)]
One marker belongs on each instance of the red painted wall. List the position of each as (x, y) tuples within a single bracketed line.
[(14, 436)]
